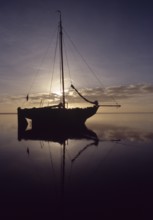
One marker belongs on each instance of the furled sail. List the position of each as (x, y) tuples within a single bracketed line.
[(95, 102)]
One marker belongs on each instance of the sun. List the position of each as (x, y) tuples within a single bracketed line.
[(58, 93)]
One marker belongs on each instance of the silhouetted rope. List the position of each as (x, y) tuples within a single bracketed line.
[(52, 74), (89, 67), (41, 62)]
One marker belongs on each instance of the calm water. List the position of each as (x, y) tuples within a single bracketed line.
[(108, 177)]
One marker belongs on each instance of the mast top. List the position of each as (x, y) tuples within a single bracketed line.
[(59, 11), (60, 14)]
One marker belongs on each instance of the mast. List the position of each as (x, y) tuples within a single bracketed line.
[(61, 56)]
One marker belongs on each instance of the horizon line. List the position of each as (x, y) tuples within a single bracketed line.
[(15, 113)]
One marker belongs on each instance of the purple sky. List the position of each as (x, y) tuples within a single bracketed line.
[(115, 37)]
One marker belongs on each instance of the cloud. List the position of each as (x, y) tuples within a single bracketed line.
[(116, 92), (102, 95), (129, 91)]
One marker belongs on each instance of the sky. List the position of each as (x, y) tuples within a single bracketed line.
[(115, 39)]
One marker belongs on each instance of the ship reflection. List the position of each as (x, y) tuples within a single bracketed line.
[(82, 174), (60, 136)]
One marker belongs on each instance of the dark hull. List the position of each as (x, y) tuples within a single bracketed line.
[(55, 117)]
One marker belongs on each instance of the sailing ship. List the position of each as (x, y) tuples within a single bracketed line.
[(58, 115)]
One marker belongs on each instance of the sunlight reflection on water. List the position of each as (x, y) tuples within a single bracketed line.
[(115, 172)]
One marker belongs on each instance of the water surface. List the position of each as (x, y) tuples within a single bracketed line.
[(104, 177)]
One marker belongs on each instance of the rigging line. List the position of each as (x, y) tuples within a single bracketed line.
[(41, 62), (81, 151), (41, 144), (70, 174), (66, 56), (53, 69), (68, 156), (89, 67), (104, 158), (34, 168), (51, 161), (91, 70)]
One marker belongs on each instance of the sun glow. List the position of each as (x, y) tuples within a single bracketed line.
[(57, 93)]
